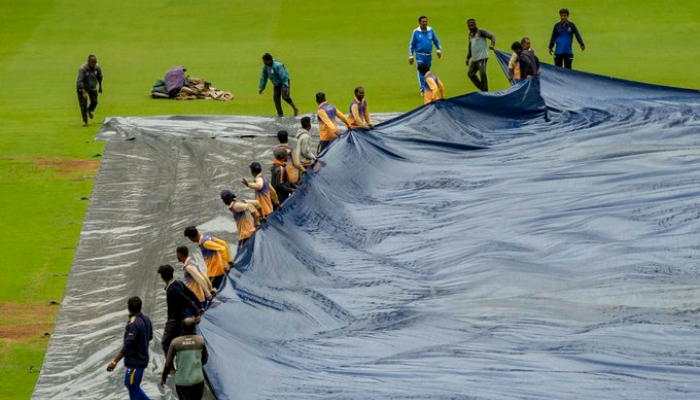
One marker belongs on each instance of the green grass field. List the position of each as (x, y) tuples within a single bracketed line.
[(47, 159)]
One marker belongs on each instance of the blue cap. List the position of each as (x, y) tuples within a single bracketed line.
[(227, 194)]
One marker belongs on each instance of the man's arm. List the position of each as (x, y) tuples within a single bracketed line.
[(579, 39), (240, 207), (225, 253), (436, 42), (80, 84), (130, 336), (367, 120), (469, 53), (441, 88), (355, 111), (284, 75), (263, 79), (295, 161), (342, 117), (99, 77), (323, 116), (205, 354), (201, 280), (553, 38), (273, 196), (169, 362), (257, 184), (490, 36), (190, 300), (412, 44)]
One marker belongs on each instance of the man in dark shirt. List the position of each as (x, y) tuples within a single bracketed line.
[(135, 349), (279, 178), (563, 35), (89, 77), (182, 303), (528, 62)]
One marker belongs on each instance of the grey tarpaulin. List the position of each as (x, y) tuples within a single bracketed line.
[(504, 245), (157, 176)]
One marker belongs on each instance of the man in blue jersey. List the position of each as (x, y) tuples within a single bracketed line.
[(277, 73), (422, 41), (563, 36), (138, 333)]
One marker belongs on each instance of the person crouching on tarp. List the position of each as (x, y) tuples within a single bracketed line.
[(245, 213), (434, 90)]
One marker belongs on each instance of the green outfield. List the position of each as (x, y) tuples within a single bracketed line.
[(48, 161)]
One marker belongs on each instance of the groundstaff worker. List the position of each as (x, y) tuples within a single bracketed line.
[(135, 349), (89, 77)]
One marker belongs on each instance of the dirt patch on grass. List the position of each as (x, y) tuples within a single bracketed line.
[(21, 321), (69, 167), (65, 167)]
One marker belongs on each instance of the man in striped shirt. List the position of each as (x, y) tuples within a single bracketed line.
[(195, 280), (359, 111), (327, 113), (434, 90), (215, 252)]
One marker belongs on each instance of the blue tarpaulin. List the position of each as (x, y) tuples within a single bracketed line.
[(525, 244)]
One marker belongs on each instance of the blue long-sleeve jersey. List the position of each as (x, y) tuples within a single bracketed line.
[(563, 36), (276, 72), (422, 42)]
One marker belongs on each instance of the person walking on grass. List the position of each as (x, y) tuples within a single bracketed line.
[(478, 55), (328, 129), (215, 252), (89, 78), (563, 36), (138, 333), (278, 75), (422, 40), (190, 354)]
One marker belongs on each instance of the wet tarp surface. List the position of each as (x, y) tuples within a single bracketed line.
[(524, 244)]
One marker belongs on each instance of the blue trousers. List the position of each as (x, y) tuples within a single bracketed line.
[(421, 59), (132, 381)]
